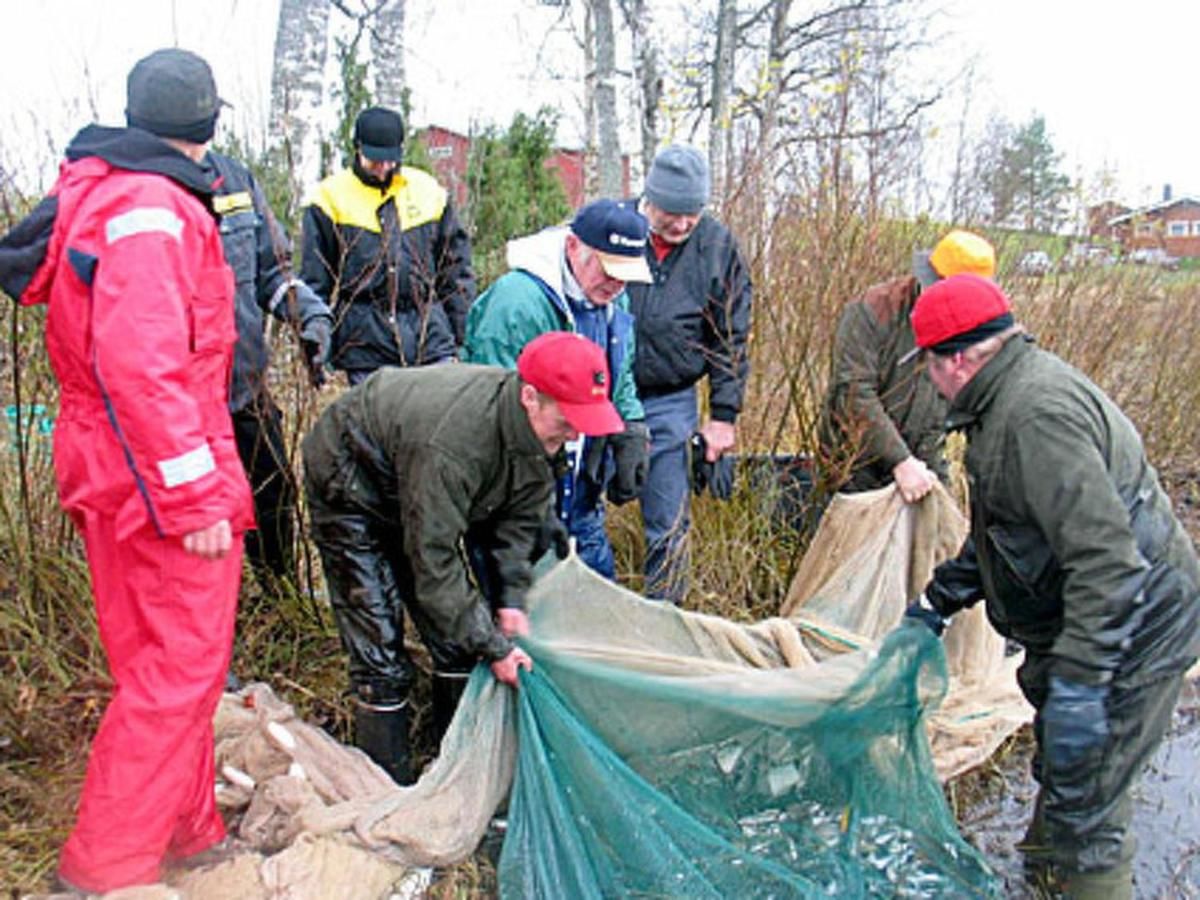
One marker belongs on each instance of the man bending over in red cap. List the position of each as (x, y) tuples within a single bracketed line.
[(1079, 557), (405, 469)]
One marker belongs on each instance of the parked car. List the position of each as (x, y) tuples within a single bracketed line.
[(1154, 256), (1036, 263), (1082, 256)]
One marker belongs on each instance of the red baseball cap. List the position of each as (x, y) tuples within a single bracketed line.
[(959, 311), (574, 372)]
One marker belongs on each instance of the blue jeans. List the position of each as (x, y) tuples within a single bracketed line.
[(591, 540), (666, 498)]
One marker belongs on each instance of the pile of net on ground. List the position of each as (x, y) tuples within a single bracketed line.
[(657, 752)]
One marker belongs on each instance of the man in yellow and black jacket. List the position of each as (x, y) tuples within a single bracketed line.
[(384, 249)]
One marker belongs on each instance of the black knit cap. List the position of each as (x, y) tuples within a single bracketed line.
[(172, 93)]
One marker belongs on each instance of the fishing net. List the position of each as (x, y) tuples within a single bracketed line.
[(694, 761), (871, 555), (659, 752)]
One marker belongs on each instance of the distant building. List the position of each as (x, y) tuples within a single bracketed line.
[(1171, 225), (1098, 218), (449, 152)]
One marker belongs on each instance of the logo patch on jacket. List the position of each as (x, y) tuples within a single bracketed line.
[(227, 204)]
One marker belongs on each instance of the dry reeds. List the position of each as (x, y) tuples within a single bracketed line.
[(1132, 331)]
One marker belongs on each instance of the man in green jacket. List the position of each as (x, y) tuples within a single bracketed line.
[(573, 279), (404, 470), (1079, 557), (882, 421)]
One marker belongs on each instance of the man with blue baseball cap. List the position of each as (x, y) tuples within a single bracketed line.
[(572, 278)]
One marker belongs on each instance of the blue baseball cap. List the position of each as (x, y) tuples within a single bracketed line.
[(617, 233)]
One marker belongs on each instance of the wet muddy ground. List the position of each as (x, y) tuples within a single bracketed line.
[(1166, 814)]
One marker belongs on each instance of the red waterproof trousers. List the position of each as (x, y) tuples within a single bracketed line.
[(166, 620)]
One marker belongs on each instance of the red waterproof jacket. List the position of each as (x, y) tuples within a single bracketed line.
[(140, 333)]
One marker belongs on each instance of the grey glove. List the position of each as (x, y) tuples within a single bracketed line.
[(631, 456), (1074, 723), (315, 336)]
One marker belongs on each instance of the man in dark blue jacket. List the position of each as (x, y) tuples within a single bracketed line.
[(692, 323), (259, 253)]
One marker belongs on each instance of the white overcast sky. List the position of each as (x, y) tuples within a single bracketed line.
[(1115, 82)]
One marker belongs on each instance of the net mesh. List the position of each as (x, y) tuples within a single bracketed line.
[(659, 752)]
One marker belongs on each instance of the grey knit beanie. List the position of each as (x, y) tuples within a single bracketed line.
[(678, 181), (171, 93)]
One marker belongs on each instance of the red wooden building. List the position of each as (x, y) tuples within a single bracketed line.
[(449, 152)]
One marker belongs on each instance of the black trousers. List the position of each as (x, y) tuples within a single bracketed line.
[(370, 585), (259, 434), (1086, 809)]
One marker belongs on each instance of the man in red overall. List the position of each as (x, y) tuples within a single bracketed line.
[(140, 332)]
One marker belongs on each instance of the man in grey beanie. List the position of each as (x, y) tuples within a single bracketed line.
[(692, 322), (172, 94)]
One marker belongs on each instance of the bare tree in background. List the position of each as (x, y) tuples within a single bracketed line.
[(601, 52), (298, 86), (822, 95), (720, 124), (387, 53), (383, 22), (647, 78)]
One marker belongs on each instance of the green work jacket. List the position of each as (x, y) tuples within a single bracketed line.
[(879, 410), (1076, 548), (439, 451)]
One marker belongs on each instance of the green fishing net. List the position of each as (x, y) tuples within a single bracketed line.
[(669, 754)]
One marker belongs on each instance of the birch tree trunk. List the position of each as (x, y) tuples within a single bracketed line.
[(298, 87), (608, 144), (589, 100), (720, 129), (639, 21), (387, 53)]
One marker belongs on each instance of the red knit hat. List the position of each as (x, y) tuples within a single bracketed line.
[(959, 311), (574, 371)]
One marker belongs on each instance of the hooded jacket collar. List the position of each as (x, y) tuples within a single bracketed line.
[(136, 150), (974, 399), (543, 255)]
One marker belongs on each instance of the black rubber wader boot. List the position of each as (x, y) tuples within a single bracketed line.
[(447, 689), (381, 731)]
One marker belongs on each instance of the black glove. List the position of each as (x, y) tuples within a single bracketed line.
[(716, 477), (701, 467), (593, 458), (631, 455), (919, 611), (315, 336), (1074, 723), (720, 479), (552, 534)]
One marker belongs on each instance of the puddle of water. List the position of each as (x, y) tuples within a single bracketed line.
[(1166, 814)]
